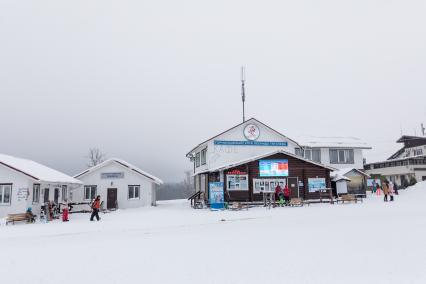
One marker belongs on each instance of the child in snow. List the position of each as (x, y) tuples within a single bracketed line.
[(30, 216), (96, 205), (65, 211)]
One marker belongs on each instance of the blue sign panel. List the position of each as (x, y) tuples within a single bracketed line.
[(216, 195), (316, 184), (250, 143)]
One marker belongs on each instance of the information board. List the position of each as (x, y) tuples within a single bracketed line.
[(216, 195), (316, 184)]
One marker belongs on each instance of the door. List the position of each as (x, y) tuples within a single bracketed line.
[(112, 198), (46, 195), (293, 185), (56, 196)]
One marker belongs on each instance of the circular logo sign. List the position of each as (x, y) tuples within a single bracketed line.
[(251, 132)]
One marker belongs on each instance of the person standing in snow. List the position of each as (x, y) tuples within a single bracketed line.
[(395, 188), (96, 205), (391, 191), (65, 211), (374, 187), (385, 186), (278, 194), (287, 194)]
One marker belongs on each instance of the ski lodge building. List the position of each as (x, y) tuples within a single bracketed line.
[(250, 158), (120, 185), (25, 183), (407, 163)]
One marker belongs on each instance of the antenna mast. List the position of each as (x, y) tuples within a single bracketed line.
[(243, 91)]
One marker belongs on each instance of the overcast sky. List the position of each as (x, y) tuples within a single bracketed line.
[(148, 80)]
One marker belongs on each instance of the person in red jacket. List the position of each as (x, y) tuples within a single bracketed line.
[(287, 194), (96, 205), (278, 194)]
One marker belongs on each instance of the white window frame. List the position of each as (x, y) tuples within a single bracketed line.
[(89, 187), (204, 156), (267, 185), (64, 192), (36, 193), (3, 188), (131, 192), (198, 159), (346, 156)]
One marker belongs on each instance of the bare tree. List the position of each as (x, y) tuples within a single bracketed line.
[(95, 157)]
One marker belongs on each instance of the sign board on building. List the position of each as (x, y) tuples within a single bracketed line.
[(216, 195), (273, 168), (112, 175), (250, 143), (316, 184), (251, 132), (23, 194)]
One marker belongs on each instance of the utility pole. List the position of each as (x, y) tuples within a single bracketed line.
[(243, 91), (423, 129)]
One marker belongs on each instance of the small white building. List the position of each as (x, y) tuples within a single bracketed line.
[(337, 152), (25, 183), (120, 185)]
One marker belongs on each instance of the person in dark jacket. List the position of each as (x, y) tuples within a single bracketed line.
[(395, 188), (96, 205)]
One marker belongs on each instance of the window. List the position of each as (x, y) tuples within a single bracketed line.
[(204, 156), (5, 194), (308, 154), (64, 192), (89, 192), (134, 191), (316, 155), (36, 193), (341, 156), (197, 159)]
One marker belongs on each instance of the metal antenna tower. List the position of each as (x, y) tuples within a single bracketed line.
[(243, 91)]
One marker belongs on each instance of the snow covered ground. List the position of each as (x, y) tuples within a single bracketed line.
[(372, 242)]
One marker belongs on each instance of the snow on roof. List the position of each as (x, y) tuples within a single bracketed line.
[(335, 142), (35, 170), (124, 164), (341, 174), (254, 158)]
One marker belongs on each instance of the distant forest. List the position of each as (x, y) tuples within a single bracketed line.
[(179, 190)]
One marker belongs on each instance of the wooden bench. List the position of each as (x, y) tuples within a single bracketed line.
[(237, 206), (12, 218), (347, 198), (296, 202)]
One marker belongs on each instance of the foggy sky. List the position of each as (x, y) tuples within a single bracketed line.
[(146, 81)]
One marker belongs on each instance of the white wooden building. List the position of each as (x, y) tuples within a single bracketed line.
[(120, 185), (337, 152), (245, 140), (25, 183)]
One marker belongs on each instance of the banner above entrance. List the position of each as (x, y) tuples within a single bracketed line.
[(250, 143)]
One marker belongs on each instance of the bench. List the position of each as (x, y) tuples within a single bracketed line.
[(348, 198), (237, 206), (12, 218), (296, 202)]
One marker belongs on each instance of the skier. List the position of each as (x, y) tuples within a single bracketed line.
[(279, 194), (65, 211), (95, 208), (287, 194), (30, 216)]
